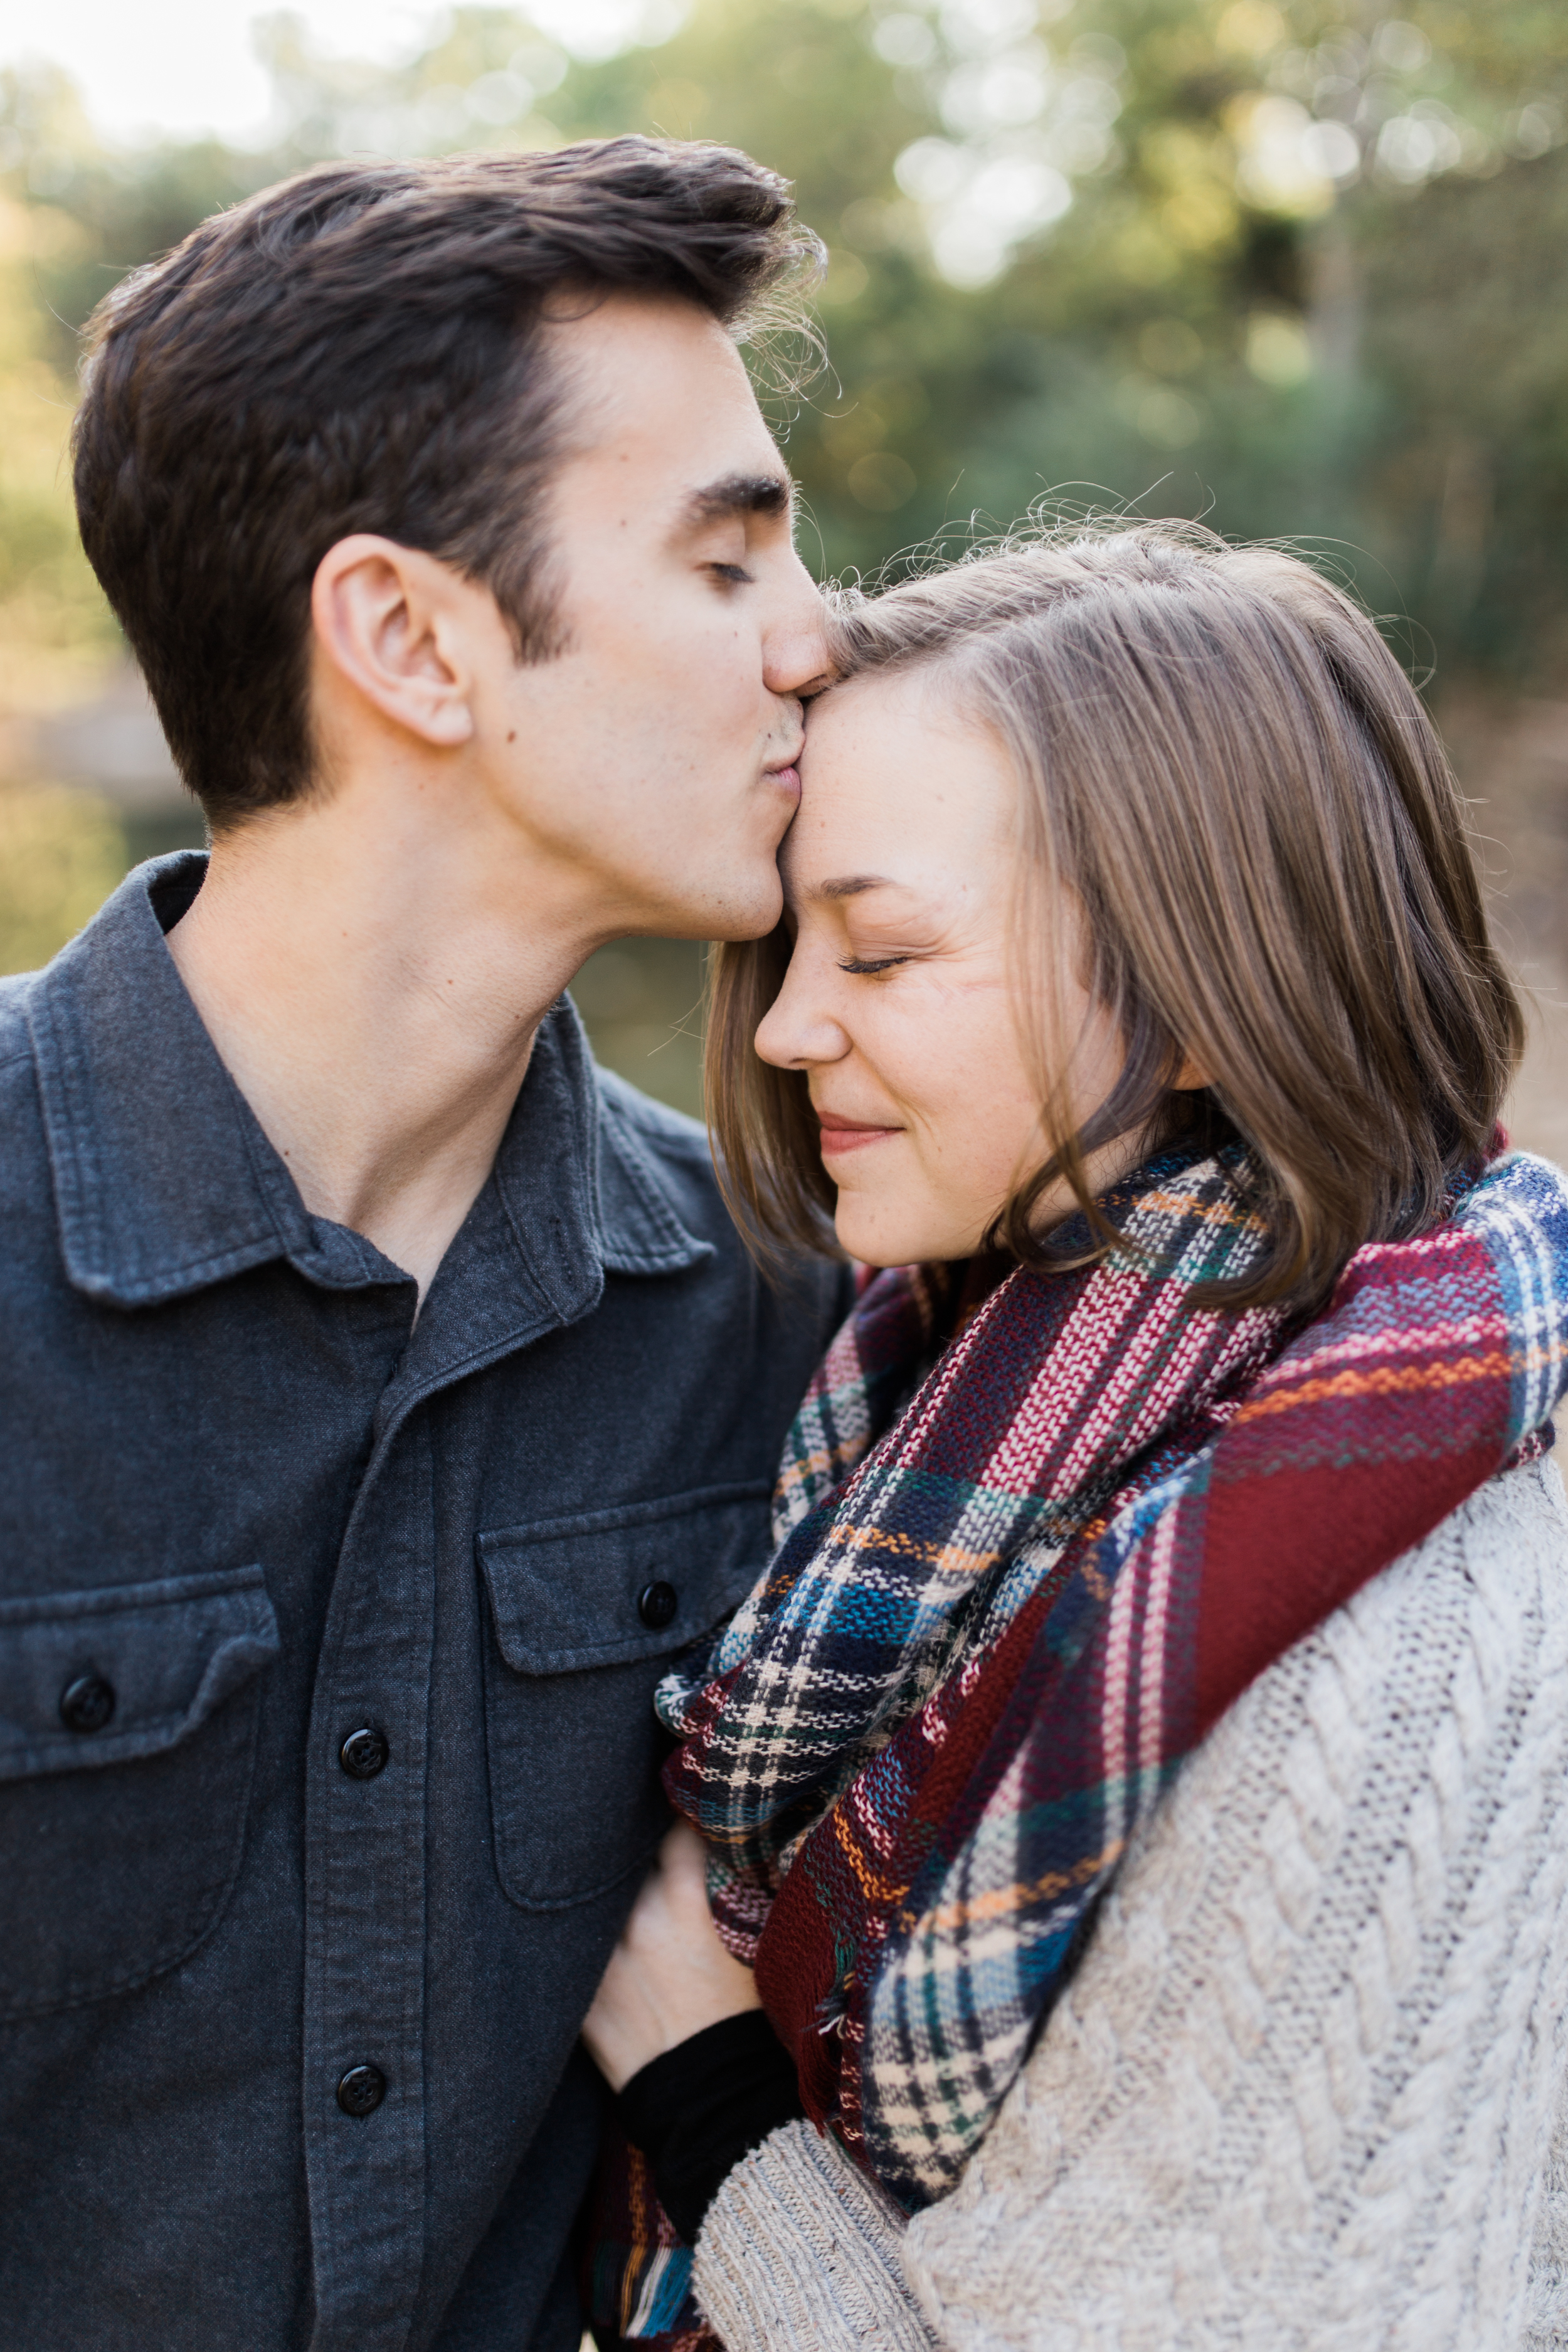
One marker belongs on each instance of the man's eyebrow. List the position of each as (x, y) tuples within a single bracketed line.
[(740, 494)]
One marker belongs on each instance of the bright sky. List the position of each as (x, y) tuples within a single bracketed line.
[(187, 66)]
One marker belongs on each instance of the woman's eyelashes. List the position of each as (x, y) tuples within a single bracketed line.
[(871, 963)]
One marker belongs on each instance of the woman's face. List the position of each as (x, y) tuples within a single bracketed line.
[(900, 1000)]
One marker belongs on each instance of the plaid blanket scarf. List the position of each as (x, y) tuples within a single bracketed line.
[(1015, 1587)]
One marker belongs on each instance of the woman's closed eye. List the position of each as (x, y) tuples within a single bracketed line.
[(871, 963)]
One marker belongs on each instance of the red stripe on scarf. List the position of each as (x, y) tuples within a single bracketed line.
[(1388, 1449)]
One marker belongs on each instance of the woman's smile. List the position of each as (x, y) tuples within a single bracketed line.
[(841, 1135)]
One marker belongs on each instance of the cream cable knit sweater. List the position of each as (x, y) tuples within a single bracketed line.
[(1307, 2091)]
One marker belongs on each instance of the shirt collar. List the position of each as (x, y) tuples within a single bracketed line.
[(164, 1182)]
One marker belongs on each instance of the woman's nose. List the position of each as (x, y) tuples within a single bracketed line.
[(799, 1030)]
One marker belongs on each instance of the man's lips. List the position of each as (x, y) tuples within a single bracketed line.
[(783, 771), (850, 1134)]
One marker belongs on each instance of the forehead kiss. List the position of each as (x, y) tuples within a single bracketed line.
[(897, 1007)]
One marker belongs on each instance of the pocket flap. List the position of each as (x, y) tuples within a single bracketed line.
[(100, 1678), (568, 1593)]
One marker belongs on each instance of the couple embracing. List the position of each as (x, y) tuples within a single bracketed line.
[(1106, 1657)]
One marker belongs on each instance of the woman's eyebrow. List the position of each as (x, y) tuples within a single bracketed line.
[(839, 886), (850, 886)]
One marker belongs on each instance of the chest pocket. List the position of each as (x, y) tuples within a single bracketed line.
[(585, 1614), (127, 1732)]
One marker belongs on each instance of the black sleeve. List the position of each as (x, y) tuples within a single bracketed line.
[(696, 2111)]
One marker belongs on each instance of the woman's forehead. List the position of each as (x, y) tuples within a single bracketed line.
[(892, 782)]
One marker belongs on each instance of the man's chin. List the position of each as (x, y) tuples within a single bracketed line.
[(752, 914)]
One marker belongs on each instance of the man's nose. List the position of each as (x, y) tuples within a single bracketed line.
[(794, 649)]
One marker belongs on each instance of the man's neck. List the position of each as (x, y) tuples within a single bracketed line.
[(374, 987)]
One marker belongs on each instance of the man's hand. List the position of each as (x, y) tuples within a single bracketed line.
[(670, 1976)]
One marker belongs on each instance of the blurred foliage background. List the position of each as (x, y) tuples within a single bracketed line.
[(1300, 268)]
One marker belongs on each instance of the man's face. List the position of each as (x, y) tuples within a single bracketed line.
[(655, 753)]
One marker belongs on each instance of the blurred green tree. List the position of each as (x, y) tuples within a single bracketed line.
[(61, 852), (1298, 267)]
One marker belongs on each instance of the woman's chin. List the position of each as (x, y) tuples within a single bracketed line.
[(863, 1237), (878, 1235)]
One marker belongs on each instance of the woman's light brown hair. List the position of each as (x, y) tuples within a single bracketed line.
[(1226, 770)]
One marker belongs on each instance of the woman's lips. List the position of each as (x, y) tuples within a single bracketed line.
[(787, 780), (850, 1134)]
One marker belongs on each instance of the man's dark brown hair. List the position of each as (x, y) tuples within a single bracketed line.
[(359, 349)]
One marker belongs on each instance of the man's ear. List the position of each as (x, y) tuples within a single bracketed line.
[(389, 620)]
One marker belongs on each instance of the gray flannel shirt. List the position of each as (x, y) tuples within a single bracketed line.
[(328, 1767)]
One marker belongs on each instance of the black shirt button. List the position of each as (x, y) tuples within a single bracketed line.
[(362, 2089), (656, 1604), (87, 1702), (363, 1754)]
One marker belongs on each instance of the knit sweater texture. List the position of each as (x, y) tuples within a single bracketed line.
[(1306, 2092)]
